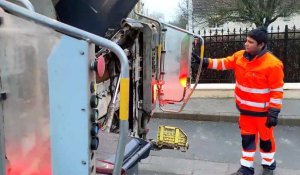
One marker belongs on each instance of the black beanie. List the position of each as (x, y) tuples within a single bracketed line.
[(259, 34)]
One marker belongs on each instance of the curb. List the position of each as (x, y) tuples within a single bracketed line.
[(222, 117)]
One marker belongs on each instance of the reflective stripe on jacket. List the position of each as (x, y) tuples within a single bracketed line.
[(259, 82)]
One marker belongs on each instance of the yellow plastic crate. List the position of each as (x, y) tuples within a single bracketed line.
[(172, 137)]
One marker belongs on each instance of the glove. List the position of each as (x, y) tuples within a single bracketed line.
[(271, 121), (272, 117), (196, 60)]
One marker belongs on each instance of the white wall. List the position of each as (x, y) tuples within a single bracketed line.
[(281, 22)]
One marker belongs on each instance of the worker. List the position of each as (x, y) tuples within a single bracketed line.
[(258, 95)]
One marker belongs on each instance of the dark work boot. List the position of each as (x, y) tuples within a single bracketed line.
[(267, 171), (244, 171), (238, 173)]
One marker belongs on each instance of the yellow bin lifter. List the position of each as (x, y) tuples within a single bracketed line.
[(172, 138)]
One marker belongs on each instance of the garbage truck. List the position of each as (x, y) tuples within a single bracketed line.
[(79, 82)]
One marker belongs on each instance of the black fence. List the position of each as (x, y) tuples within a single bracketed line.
[(218, 44)]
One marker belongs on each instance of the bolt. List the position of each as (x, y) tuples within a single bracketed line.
[(81, 53), (83, 162)]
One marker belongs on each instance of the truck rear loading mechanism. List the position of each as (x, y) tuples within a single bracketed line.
[(79, 82)]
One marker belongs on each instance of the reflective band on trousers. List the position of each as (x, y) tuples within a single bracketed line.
[(251, 103), (248, 154), (264, 162), (276, 101), (267, 155), (252, 90), (246, 163)]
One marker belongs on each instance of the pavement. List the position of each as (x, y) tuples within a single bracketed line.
[(224, 109), (210, 121), (215, 149)]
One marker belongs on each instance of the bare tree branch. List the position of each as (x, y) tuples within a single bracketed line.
[(251, 11)]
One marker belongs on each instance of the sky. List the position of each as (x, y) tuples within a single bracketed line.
[(167, 7)]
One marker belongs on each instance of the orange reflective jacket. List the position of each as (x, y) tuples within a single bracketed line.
[(259, 82)]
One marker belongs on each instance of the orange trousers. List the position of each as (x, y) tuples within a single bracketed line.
[(253, 129)]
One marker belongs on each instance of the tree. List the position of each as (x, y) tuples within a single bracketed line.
[(181, 21), (259, 12), (158, 15), (184, 12)]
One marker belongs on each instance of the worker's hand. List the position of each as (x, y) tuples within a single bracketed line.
[(196, 60), (271, 121), (272, 117)]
